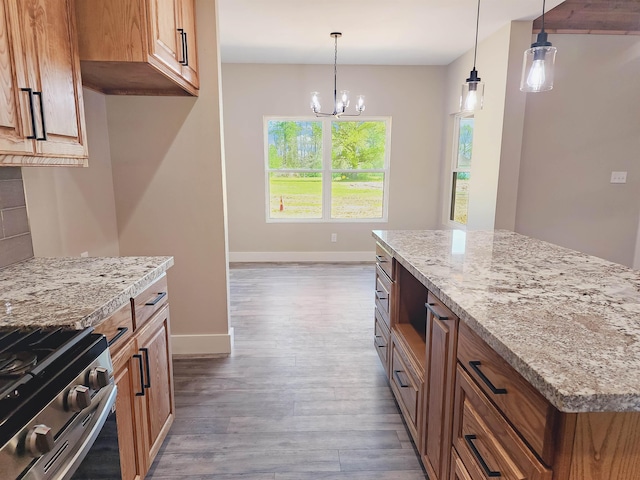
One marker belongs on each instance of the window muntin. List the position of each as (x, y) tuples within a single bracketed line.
[(327, 170), (461, 169)]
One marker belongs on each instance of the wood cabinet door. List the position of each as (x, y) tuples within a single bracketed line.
[(439, 391), (188, 25), (154, 344), (128, 381), (49, 41), (165, 43), (14, 119)]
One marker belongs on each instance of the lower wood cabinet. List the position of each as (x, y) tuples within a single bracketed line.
[(441, 345), (458, 470), (155, 408), (143, 373)]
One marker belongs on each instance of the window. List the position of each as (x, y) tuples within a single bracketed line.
[(461, 168), (327, 169)]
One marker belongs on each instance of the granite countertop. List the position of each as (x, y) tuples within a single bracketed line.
[(73, 292), (568, 322)]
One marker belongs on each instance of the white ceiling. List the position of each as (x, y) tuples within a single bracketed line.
[(375, 32)]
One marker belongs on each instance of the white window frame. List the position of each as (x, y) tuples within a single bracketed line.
[(326, 169), (452, 168)]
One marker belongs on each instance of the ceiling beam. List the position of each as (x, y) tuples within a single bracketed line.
[(610, 17)]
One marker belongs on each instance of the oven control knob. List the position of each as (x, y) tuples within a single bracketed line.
[(78, 398), (39, 441), (99, 377)]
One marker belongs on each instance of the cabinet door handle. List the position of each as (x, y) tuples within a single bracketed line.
[(32, 112), (396, 373), (141, 392), (379, 295), (159, 297), (183, 47), (487, 471), (475, 364), (379, 345), (44, 128), (186, 50), (435, 314), (146, 363), (381, 259), (116, 337)]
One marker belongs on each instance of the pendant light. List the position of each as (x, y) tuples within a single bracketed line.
[(539, 60), (472, 96), (341, 102)]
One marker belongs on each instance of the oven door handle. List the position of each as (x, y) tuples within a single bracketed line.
[(76, 459)]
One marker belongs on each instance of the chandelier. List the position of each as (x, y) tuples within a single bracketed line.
[(340, 102)]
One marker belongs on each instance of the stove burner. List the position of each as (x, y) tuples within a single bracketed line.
[(14, 364)]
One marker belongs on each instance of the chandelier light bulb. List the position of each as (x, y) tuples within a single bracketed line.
[(344, 96), (360, 104)]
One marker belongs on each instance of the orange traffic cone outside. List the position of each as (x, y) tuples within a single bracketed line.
[(281, 204)]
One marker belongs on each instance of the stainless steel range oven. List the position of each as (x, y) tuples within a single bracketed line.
[(56, 396)]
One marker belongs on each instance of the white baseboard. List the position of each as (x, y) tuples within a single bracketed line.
[(302, 256), (206, 344)]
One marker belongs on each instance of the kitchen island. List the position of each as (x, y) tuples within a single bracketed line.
[(519, 356)]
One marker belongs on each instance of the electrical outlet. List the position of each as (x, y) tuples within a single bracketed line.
[(334, 237), (84, 254), (618, 177)]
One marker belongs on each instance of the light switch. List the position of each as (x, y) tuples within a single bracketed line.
[(618, 177)]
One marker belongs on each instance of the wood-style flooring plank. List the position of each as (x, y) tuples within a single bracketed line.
[(302, 397)]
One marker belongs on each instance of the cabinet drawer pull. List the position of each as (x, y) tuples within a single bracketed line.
[(121, 332), (379, 295), (487, 471), (379, 345), (381, 259), (32, 112), (159, 297), (436, 314), (44, 128), (141, 392), (475, 364), (400, 382), (146, 363)]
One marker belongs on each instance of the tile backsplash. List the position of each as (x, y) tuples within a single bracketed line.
[(15, 236)]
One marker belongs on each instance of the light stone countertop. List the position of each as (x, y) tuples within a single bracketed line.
[(568, 322), (73, 292)]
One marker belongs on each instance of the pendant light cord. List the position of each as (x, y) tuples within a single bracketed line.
[(475, 51), (335, 76)]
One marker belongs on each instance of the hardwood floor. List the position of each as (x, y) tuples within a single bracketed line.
[(303, 397)]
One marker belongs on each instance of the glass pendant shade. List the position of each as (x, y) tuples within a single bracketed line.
[(360, 104), (315, 102), (472, 96), (537, 68)]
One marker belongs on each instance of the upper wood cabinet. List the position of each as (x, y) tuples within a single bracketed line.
[(138, 47), (42, 119)]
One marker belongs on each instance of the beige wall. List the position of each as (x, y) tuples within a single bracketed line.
[(412, 96), (636, 261), (71, 210), (498, 127), (575, 135), (168, 175)]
